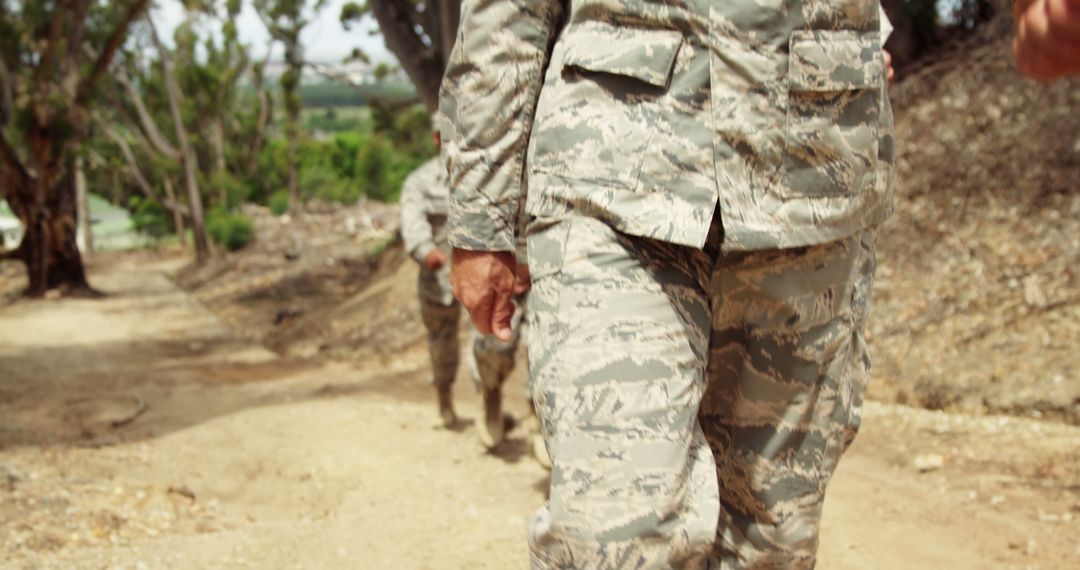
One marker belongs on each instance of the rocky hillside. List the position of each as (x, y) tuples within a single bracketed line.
[(977, 303)]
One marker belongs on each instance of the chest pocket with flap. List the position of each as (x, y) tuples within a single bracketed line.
[(835, 80), (599, 100)]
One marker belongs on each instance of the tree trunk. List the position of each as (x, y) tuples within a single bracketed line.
[(85, 221), (187, 157), (217, 132), (251, 165), (421, 63), (294, 184), (178, 217), (48, 248), (449, 19)]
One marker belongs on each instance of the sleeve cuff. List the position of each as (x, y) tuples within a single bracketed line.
[(482, 226), (420, 252)]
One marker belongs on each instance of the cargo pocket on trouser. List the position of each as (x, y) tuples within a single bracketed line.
[(776, 410), (595, 114), (834, 104), (623, 340)]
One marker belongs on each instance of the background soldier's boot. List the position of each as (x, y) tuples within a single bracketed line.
[(446, 406), (493, 428)]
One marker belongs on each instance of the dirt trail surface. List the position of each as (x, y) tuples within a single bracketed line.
[(138, 432)]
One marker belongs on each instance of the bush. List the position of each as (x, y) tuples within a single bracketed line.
[(231, 230), (373, 164), (279, 202), (325, 183), (150, 218), (227, 186)]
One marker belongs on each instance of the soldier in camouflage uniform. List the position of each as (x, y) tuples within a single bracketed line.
[(424, 204), (706, 178)]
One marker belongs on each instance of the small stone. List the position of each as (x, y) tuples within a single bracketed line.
[(929, 462), (997, 500)]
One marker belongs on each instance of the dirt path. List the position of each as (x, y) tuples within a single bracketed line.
[(138, 432)]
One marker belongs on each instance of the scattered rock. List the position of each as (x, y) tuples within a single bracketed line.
[(286, 314), (928, 462)]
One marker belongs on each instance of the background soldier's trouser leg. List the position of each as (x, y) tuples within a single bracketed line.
[(442, 325), (787, 369), (490, 360), (618, 343)]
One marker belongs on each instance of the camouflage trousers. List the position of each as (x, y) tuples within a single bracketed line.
[(491, 360), (694, 403), (488, 360)]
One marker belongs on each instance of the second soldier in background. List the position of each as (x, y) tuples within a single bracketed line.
[(424, 206)]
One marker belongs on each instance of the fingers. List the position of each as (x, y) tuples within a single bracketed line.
[(484, 283), (502, 313), (481, 310), (478, 301)]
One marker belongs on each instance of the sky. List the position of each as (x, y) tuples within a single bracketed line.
[(324, 39)]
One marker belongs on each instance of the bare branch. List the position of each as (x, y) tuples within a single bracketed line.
[(133, 167), (149, 126), (75, 39), (43, 73), (188, 160), (104, 58), (421, 64)]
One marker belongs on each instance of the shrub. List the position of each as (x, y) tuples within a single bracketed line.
[(150, 218), (279, 202), (231, 189), (231, 230), (325, 183)]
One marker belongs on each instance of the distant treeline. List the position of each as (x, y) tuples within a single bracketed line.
[(339, 95)]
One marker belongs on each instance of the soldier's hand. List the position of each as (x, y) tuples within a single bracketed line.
[(435, 259), (1047, 43), (484, 282), (891, 73)]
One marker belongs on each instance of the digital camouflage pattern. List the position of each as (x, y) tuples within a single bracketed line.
[(653, 114), (695, 392), (695, 402)]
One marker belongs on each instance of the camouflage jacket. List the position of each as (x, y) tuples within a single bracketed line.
[(424, 204), (649, 115)]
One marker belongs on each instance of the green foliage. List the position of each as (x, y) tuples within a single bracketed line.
[(381, 168), (336, 119), (231, 230), (150, 218), (325, 184), (279, 202), (228, 190), (412, 131)]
